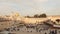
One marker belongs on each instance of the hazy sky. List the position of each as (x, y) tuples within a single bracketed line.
[(30, 7)]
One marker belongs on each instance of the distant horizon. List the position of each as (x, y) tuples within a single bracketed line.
[(29, 15)]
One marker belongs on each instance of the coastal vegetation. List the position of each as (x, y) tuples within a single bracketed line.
[(37, 16)]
